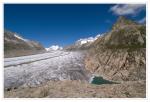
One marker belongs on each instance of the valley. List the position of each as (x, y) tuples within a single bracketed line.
[(109, 65)]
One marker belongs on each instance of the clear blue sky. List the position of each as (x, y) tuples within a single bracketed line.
[(63, 24)]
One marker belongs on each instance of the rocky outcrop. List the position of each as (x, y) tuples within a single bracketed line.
[(120, 54), (15, 45)]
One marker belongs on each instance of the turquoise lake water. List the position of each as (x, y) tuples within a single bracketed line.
[(99, 80)]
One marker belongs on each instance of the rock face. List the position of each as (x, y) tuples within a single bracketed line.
[(15, 45), (120, 54)]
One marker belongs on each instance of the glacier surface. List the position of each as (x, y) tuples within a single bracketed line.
[(33, 70)]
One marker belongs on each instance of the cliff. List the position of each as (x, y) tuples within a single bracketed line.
[(120, 54)]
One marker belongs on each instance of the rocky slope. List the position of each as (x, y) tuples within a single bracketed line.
[(81, 89), (15, 45), (120, 54)]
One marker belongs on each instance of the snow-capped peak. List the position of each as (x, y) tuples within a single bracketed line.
[(46, 49), (54, 47), (99, 35), (86, 40), (17, 36)]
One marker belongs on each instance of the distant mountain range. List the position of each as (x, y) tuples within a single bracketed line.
[(87, 40), (83, 43), (15, 45), (79, 44)]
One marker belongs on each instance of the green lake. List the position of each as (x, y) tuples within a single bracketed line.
[(99, 80)]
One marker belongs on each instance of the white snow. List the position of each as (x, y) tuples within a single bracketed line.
[(56, 65), (97, 36), (91, 78), (54, 47), (46, 49), (87, 40), (17, 36)]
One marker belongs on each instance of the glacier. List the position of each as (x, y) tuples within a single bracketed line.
[(33, 70)]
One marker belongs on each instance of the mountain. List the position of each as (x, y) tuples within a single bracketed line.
[(86, 40), (124, 33), (83, 44), (54, 47), (15, 45), (120, 54), (115, 61)]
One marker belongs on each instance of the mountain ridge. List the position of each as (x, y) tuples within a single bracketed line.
[(120, 54), (15, 45), (83, 43)]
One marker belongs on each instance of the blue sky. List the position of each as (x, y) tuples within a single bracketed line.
[(63, 24)]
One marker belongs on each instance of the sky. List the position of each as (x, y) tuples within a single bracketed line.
[(63, 24)]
